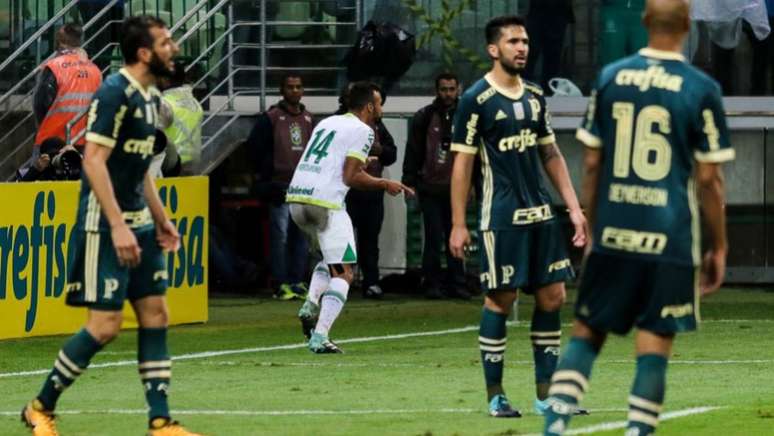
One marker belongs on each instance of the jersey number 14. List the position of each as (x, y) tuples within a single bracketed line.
[(651, 154), (319, 147)]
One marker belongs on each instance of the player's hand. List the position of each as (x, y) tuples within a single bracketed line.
[(167, 236), (125, 243), (394, 188), (580, 238), (459, 239), (713, 270)]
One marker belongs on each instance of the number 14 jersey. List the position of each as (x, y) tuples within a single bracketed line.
[(652, 116), (319, 176)]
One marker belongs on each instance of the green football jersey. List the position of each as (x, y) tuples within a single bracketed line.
[(504, 129), (123, 117), (652, 115)]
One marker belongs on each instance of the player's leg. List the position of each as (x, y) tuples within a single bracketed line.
[(147, 289), (279, 220), (570, 381), (549, 268), (94, 280), (312, 220), (337, 243), (606, 301), (647, 395), (670, 305), (545, 334), (72, 360), (499, 279)]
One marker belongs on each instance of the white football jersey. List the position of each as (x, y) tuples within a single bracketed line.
[(318, 178)]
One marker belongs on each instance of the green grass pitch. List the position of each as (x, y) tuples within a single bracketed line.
[(407, 384)]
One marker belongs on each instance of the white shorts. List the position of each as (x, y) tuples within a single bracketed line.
[(330, 228)]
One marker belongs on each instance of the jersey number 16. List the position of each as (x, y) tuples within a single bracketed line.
[(651, 156)]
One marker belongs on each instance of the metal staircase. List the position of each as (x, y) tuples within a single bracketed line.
[(208, 34)]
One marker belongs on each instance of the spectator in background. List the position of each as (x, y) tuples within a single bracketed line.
[(547, 22), (90, 8), (183, 115), (277, 142), (64, 88), (427, 169), (56, 161), (622, 32), (366, 208)]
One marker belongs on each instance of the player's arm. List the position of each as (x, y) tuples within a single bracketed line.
[(462, 172), (466, 140), (166, 233), (556, 168), (592, 160), (355, 177), (711, 189), (106, 114), (95, 168), (713, 148)]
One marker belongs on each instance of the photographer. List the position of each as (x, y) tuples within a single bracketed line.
[(427, 168), (56, 161)]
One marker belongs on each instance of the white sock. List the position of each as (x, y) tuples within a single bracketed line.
[(332, 302), (321, 276)]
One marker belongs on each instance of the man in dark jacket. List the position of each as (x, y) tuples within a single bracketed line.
[(277, 142), (427, 168), (366, 208)]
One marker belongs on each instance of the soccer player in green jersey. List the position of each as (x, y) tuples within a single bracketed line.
[(504, 120), (655, 133), (116, 250)]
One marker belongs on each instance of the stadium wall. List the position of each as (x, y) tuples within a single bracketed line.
[(35, 228)]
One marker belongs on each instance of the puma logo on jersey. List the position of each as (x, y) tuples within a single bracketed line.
[(525, 138), (500, 115)]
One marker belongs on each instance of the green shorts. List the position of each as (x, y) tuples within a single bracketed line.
[(96, 280), (618, 292), (524, 258)]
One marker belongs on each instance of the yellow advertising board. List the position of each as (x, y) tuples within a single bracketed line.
[(35, 224)]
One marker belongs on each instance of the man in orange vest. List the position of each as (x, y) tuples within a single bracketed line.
[(65, 87)]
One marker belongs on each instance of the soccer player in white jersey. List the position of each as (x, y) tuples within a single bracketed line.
[(333, 162)]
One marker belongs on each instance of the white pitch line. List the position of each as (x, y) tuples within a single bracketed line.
[(207, 354), (293, 412), (614, 425)]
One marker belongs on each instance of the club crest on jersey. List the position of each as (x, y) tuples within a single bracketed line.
[(534, 105), (295, 136), (518, 110)]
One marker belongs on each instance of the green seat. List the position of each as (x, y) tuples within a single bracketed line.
[(149, 7), (180, 7), (292, 11), (42, 10), (213, 29)]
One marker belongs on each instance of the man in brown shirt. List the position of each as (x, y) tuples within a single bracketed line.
[(277, 141)]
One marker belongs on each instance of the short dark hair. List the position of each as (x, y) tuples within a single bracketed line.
[(136, 34), (70, 35), (360, 94), (495, 25), (286, 76), (445, 76)]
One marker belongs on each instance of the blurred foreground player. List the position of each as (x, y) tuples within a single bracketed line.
[(655, 134), (333, 162), (116, 250), (504, 120)]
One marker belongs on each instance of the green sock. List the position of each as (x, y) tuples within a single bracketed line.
[(72, 360), (492, 339), (568, 384), (647, 396), (545, 333), (155, 369)]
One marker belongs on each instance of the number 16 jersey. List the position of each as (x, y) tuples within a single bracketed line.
[(319, 176), (652, 116)]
